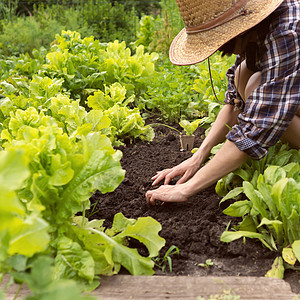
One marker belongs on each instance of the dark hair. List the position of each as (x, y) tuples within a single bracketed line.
[(228, 48), (261, 28)]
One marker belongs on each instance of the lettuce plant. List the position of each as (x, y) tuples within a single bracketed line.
[(189, 127), (278, 155), (86, 64), (127, 124), (67, 158), (270, 212)]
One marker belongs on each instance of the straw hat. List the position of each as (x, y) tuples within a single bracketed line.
[(209, 24)]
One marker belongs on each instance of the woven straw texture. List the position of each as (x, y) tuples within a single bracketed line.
[(192, 48)]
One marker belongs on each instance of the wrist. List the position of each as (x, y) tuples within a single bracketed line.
[(187, 190), (201, 155)]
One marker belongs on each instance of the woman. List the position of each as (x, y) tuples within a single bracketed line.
[(263, 96)]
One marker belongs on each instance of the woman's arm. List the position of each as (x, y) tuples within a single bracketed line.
[(227, 117), (187, 169), (226, 160)]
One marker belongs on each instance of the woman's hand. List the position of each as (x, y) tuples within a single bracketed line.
[(186, 169), (227, 159), (167, 193)]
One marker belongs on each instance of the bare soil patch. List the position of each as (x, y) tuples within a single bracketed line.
[(194, 227)]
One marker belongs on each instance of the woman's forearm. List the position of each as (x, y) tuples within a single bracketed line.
[(227, 116), (227, 159)]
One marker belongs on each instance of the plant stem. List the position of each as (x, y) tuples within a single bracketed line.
[(160, 124), (18, 291)]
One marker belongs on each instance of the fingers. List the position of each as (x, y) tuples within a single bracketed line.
[(167, 174), (174, 173), (151, 197), (161, 194), (160, 176), (184, 178), (166, 193)]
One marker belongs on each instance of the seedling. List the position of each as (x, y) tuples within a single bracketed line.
[(208, 263), (162, 262), (190, 127)]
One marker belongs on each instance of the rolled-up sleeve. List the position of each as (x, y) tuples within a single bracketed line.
[(231, 95), (271, 107)]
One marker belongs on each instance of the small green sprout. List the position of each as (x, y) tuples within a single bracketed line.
[(208, 263), (162, 262)]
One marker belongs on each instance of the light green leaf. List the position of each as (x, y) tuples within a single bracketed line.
[(98, 121), (246, 176), (12, 163), (42, 191), (99, 101), (190, 127), (8, 88), (9, 204), (108, 251), (18, 262), (296, 249), (62, 173), (265, 190), (102, 171), (229, 236), (277, 270), (273, 174), (265, 221), (238, 209), (119, 224), (145, 230), (132, 260), (256, 198), (247, 224), (232, 194), (289, 256), (31, 237), (72, 261)]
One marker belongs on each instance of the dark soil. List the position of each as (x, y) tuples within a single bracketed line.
[(194, 227)]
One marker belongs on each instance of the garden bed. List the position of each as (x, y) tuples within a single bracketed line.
[(194, 227)]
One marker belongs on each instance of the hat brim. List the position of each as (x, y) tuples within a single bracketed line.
[(192, 48)]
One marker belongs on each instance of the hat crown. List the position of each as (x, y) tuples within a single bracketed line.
[(197, 12)]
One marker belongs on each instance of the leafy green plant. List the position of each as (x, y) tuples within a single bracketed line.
[(103, 20), (127, 124), (37, 274), (147, 27), (106, 21), (65, 157), (26, 33), (271, 211), (113, 94), (156, 33), (169, 94), (86, 65), (23, 64), (166, 260), (279, 155), (190, 127)]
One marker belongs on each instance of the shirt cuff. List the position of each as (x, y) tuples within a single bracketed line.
[(250, 147)]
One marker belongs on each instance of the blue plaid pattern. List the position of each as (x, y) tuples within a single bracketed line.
[(271, 107)]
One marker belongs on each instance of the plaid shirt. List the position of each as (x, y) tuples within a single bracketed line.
[(271, 107)]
